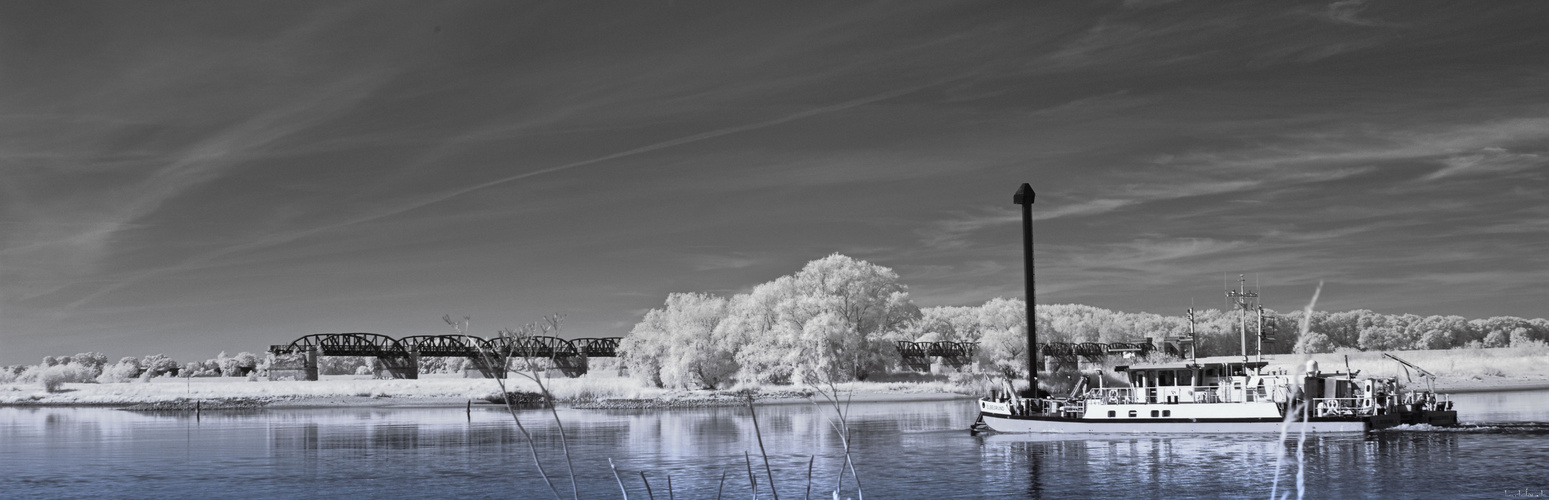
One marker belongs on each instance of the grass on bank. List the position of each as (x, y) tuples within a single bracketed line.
[(1455, 367)]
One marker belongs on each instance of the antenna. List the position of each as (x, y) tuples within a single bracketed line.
[(1193, 336), (1243, 300)]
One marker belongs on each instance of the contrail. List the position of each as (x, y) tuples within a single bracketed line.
[(293, 236)]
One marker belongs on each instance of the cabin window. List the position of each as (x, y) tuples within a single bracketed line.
[(1164, 377), (1112, 414), (1154, 413), (1132, 413), (1186, 378), (1167, 413)]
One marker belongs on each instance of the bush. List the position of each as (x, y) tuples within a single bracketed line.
[(54, 377), (11, 374), (159, 364), (125, 371)]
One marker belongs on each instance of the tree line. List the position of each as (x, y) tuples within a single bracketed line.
[(838, 319)]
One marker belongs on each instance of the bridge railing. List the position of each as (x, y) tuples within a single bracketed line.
[(372, 344)]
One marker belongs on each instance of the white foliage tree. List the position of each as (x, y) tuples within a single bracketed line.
[(868, 310), (680, 344)]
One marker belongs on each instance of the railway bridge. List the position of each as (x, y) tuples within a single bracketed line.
[(399, 358)]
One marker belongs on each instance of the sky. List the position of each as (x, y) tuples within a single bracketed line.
[(195, 177)]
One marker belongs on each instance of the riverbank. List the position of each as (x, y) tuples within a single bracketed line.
[(1458, 371), (599, 392)]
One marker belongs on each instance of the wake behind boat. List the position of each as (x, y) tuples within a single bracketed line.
[(1204, 396)]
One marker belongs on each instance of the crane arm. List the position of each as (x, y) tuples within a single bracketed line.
[(1411, 365)]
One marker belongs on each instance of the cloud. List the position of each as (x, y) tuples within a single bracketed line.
[(952, 233), (1490, 160), (1348, 12), (720, 262), (289, 236), (1147, 253)]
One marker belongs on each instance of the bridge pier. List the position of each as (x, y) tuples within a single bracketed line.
[(393, 367), (293, 366), (955, 362), (570, 366), (478, 367)]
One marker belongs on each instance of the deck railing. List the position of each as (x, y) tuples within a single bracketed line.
[(1184, 394)]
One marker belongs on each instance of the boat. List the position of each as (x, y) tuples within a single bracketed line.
[(1221, 395)]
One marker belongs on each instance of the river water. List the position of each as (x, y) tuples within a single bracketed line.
[(900, 450)]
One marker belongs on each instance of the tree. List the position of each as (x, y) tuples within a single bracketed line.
[(245, 363), (680, 345), (124, 371), (867, 299), (1006, 349), (1314, 343), (1382, 338), (159, 364)]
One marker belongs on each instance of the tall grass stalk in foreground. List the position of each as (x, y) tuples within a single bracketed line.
[(621, 481), (462, 329), (830, 392), (760, 434), (752, 481), (548, 327), (1293, 409)]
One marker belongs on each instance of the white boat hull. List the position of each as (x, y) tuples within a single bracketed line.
[(1060, 425)]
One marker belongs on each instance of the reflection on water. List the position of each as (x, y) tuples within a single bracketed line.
[(911, 450)]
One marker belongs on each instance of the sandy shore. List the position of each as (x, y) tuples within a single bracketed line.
[(106, 397), (351, 391), (1459, 375)]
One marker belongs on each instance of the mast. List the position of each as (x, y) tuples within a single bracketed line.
[(1242, 300), (1024, 197), (1261, 332), (1193, 344)]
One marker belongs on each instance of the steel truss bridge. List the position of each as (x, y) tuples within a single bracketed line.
[(1092, 351), (398, 358), (916, 355)]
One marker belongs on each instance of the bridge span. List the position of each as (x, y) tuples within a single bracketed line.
[(399, 358)]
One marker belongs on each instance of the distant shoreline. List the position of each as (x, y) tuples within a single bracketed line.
[(276, 397), (324, 402)]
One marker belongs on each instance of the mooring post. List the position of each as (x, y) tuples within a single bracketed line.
[(1024, 197)]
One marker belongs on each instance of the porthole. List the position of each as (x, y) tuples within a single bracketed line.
[(1154, 413), (1112, 414), (1167, 413), (1132, 413)]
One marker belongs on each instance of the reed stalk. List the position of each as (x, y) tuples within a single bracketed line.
[(810, 461), (841, 427), (462, 329), (549, 327), (752, 481), (760, 434), (616, 478)]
